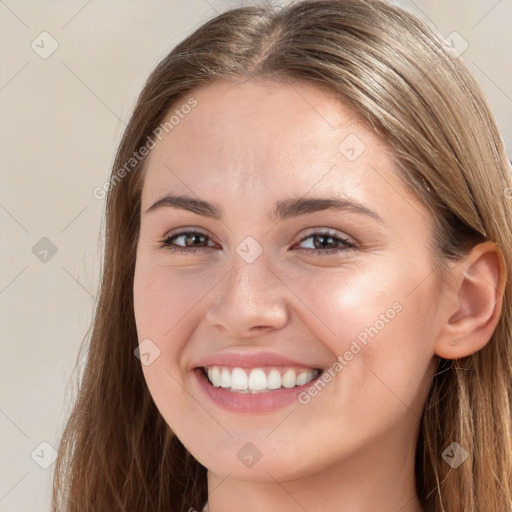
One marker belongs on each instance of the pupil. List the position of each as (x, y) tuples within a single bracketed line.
[(323, 243), (193, 238)]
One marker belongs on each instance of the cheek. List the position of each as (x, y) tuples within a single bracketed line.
[(165, 302), (168, 307), (342, 304), (165, 299), (378, 323)]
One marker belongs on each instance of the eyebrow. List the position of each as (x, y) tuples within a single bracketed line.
[(283, 210)]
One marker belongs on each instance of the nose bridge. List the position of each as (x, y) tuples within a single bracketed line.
[(251, 297), (253, 281)]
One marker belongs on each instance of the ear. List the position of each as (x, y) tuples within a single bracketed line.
[(475, 298)]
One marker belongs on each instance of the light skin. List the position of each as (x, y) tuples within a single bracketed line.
[(245, 147)]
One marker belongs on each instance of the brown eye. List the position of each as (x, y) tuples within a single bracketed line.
[(190, 239), (327, 242), (186, 241)]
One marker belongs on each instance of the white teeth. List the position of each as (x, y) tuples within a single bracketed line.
[(289, 379), (302, 378), (214, 376), (274, 379), (256, 380), (239, 380), (225, 379)]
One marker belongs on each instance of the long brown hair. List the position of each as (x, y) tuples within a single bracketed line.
[(117, 453)]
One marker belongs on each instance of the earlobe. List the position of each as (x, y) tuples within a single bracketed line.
[(478, 294)]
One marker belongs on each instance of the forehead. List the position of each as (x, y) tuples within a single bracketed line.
[(252, 138)]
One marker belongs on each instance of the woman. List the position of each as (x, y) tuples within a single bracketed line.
[(305, 302)]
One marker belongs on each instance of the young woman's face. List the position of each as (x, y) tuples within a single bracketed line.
[(244, 270)]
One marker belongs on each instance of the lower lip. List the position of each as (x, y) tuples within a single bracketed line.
[(250, 403)]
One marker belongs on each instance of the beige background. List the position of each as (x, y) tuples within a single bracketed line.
[(61, 119)]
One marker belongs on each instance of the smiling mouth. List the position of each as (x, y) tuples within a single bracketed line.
[(258, 380)]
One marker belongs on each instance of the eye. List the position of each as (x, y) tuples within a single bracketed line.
[(320, 242), (189, 241), (327, 242)]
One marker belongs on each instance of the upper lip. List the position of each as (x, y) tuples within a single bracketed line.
[(249, 360)]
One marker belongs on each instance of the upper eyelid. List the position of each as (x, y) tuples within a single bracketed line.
[(185, 231), (309, 232)]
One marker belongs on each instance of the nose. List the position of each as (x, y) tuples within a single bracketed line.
[(249, 302)]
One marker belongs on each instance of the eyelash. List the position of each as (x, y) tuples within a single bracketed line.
[(347, 245)]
